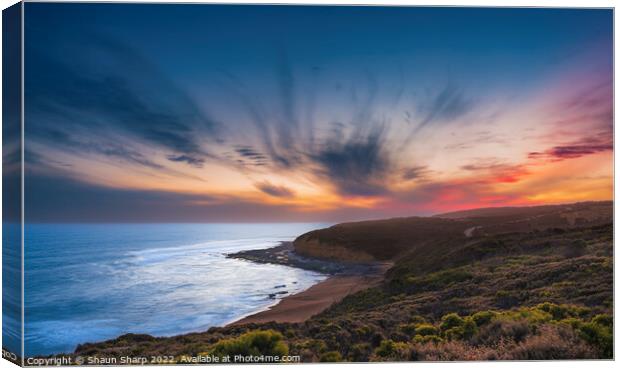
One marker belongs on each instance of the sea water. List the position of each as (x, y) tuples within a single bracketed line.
[(92, 282)]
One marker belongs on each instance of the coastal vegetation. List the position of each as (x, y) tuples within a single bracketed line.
[(527, 285)]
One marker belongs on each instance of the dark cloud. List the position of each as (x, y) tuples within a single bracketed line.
[(278, 125), (193, 161), (106, 89), (275, 190), (357, 165), (416, 173), (602, 142), (81, 145), (353, 157), (250, 156)]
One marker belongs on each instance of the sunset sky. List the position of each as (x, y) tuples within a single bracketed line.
[(207, 113)]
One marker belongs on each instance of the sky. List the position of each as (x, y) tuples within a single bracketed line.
[(215, 113)]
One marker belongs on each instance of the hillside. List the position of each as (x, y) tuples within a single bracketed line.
[(394, 238), (497, 293)]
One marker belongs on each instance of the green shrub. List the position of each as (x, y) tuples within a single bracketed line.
[(469, 328), (603, 320), (257, 342), (454, 333), (417, 319), (408, 328), (386, 348), (575, 323), (331, 356), (390, 349), (559, 312), (428, 338), (425, 329), (532, 315), (450, 321), (465, 330), (483, 317), (599, 336), (359, 352)]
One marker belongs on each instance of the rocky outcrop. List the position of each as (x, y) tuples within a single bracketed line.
[(309, 247)]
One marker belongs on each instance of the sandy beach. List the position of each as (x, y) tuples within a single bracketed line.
[(300, 307)]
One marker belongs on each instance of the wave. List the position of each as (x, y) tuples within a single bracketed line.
[(214, 248)]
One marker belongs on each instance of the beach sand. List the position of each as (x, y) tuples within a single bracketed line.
[(300, 307)]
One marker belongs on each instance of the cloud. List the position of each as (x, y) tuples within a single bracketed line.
[(497, 171), (591, 103), (275, 190), (602, 142), (254, 157), (193, 161), (416, 173), (357, 165), (107, 90), (81, 145), (448, 104), (86, 202), (276, 125), (479, 138)]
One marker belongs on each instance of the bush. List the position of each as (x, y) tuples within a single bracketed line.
[(559, 312), (359, 352), (483, 317), (425, 329), (390, 349), (417, 319), (331, 356), (253, 343), (427, 339), (470, 328), (408, 328), (603, 320), (575, 323), (386, 348), (599, 336), (450, 321), (465, 331)]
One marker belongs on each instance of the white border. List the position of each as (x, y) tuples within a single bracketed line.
[(477, 3)]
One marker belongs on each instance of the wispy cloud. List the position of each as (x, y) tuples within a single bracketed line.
[(357, 165), (602, 142), (110, 85), (275, 190), (447, 104), (416, 173)]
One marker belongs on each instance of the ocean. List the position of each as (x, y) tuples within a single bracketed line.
[(92, 282)]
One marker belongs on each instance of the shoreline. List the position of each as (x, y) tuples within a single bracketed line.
[(312, 301), (284, 254), (343, 279)]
